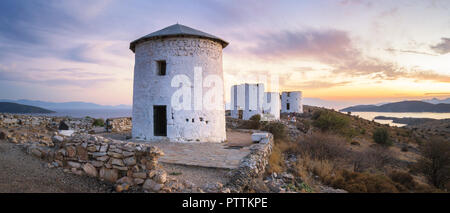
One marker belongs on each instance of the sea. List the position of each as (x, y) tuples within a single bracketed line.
[(94, 113), (116, 113), (372, 115)]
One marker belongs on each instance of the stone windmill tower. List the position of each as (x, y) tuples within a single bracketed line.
[(162, 59)]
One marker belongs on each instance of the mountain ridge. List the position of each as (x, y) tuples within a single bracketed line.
[(8, 107), (65, 105)]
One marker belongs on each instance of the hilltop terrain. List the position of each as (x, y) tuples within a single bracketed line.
[(324, 150)]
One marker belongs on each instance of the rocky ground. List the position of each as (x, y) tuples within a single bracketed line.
[(20, 172)]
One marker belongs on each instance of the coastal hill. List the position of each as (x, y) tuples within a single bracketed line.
[(65, 105), (20, 108), (403, 106)]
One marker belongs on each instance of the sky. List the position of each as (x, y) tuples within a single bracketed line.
[(342, 50)]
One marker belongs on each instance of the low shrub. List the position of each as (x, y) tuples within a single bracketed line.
[(277, 129), (322, 146), (253, 123), (435, 162), (99, 122), (403, 178), (381, 136), (355, 182), (375, 158), (328, 120)]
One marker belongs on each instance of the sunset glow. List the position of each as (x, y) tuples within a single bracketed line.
[(350, 50)]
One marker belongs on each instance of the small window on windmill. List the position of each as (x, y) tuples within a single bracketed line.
[(161, 67), (288, 106), (288, 94)]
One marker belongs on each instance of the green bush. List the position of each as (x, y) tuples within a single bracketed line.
[(253, 123), (381, 136), (328, 120), (99, 122), (277, 129)]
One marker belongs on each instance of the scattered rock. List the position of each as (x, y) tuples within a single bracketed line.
[(131, 161), (159, 175), (125, 179), (122, 187), (151, 185), (115, 155), (90, 170), (71, 151), (96, 163), (57, 139), (36, 153), (73, 164), (141, 175), (138, 181), (110, 175)]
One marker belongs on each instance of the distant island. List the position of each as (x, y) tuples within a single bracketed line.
[(407, 121), (7, 107), (403, 106), (73, 105)]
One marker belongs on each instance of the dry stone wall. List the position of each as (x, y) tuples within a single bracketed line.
[(125, 164), (32, 121), (252, 166), (119, 124)]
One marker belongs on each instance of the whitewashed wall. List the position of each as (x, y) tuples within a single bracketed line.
[(149, 89), (295, 101), (247, 97), (272, 105)]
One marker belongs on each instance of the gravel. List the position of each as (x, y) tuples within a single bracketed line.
[(20, 172)]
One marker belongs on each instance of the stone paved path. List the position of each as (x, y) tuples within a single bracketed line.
[(215, 155), (202, 154)]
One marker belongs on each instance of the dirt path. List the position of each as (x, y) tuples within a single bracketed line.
[(20, 172)]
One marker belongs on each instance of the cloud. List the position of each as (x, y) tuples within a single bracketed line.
[(317, 84), (56, 77), (335, 48), (443, 47), (409, 51)]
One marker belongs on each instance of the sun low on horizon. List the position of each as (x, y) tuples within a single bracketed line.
[(347, 51)]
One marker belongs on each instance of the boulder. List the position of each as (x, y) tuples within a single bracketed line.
[(96, 163), (82, 153), (63, 125), (151, 185), (131, 161), (117, 162), (122, 187), (115, 155), (90, 170), (103, 158), (73, 164), (36, 152), (71, 151), (138, 181), (159, 175), (141, 175), (57, 139), (125, 179), (110, 175)]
